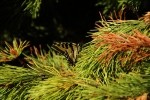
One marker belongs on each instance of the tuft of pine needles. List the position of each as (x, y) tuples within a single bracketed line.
[(11, 52), (135, 47), (146, 18), (32, 6)]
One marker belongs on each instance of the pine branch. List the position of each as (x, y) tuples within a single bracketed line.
[(12, 74), (47, 63), (135, 46), (60, 87), (126, 86), (89, 65), (15, 81)]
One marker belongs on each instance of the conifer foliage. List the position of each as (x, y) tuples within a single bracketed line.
[(115, 65)]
